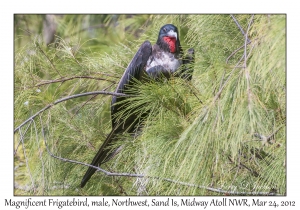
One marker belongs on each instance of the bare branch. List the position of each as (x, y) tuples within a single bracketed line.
[(106, 74), (246, 41), (240, 27), (90, 100), (71, 78), (243, 57), (238, 49), (21, 139), (107, 173), (267, 139), (272, 135), (227, 80), (68, 98)]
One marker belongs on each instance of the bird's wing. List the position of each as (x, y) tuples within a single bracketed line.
[(135, 70)]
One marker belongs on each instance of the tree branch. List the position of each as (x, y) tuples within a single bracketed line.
[(90, 100), (68, 98), (244, 55), (71, 78), (227, 80), (15, 152), (246, 41), (267, 139), (238, 49), (240, 27), (247, 73), (52, 65), (107, 173)]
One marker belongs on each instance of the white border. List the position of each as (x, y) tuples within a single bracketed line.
[(9, 8)]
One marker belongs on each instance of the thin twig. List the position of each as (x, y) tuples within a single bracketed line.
[(68, 98), (109, 75), (21, 139), (265, 138), (253, 172), (239, 26), (238, 168), (246, 41), (52, 65), (236, 66), (107, 173), (71, 78), (240, 164), (90, 100), (224, 84), (26, 159), (238, 49), (192, 87), (272, 135), (118, 183), (234, 52)]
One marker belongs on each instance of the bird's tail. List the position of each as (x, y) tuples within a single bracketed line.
[(103, 155)]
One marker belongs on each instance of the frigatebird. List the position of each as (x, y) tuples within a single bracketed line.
[(150, 62)]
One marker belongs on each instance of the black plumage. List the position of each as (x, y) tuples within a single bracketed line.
[(164, 57)]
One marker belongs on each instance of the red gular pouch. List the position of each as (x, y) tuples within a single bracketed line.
[(171, 42)]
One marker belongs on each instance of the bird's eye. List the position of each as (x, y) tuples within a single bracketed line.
[(165, 30)]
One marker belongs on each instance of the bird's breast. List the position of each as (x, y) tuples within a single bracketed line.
[(165, 59)]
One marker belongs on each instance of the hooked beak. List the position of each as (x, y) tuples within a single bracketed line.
[(171, 33)]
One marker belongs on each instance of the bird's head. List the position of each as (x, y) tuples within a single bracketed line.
[(168, 38)]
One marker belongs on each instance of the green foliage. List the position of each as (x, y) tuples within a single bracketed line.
[(225, 129)]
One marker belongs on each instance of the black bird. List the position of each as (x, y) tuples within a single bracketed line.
[(163, 58)]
